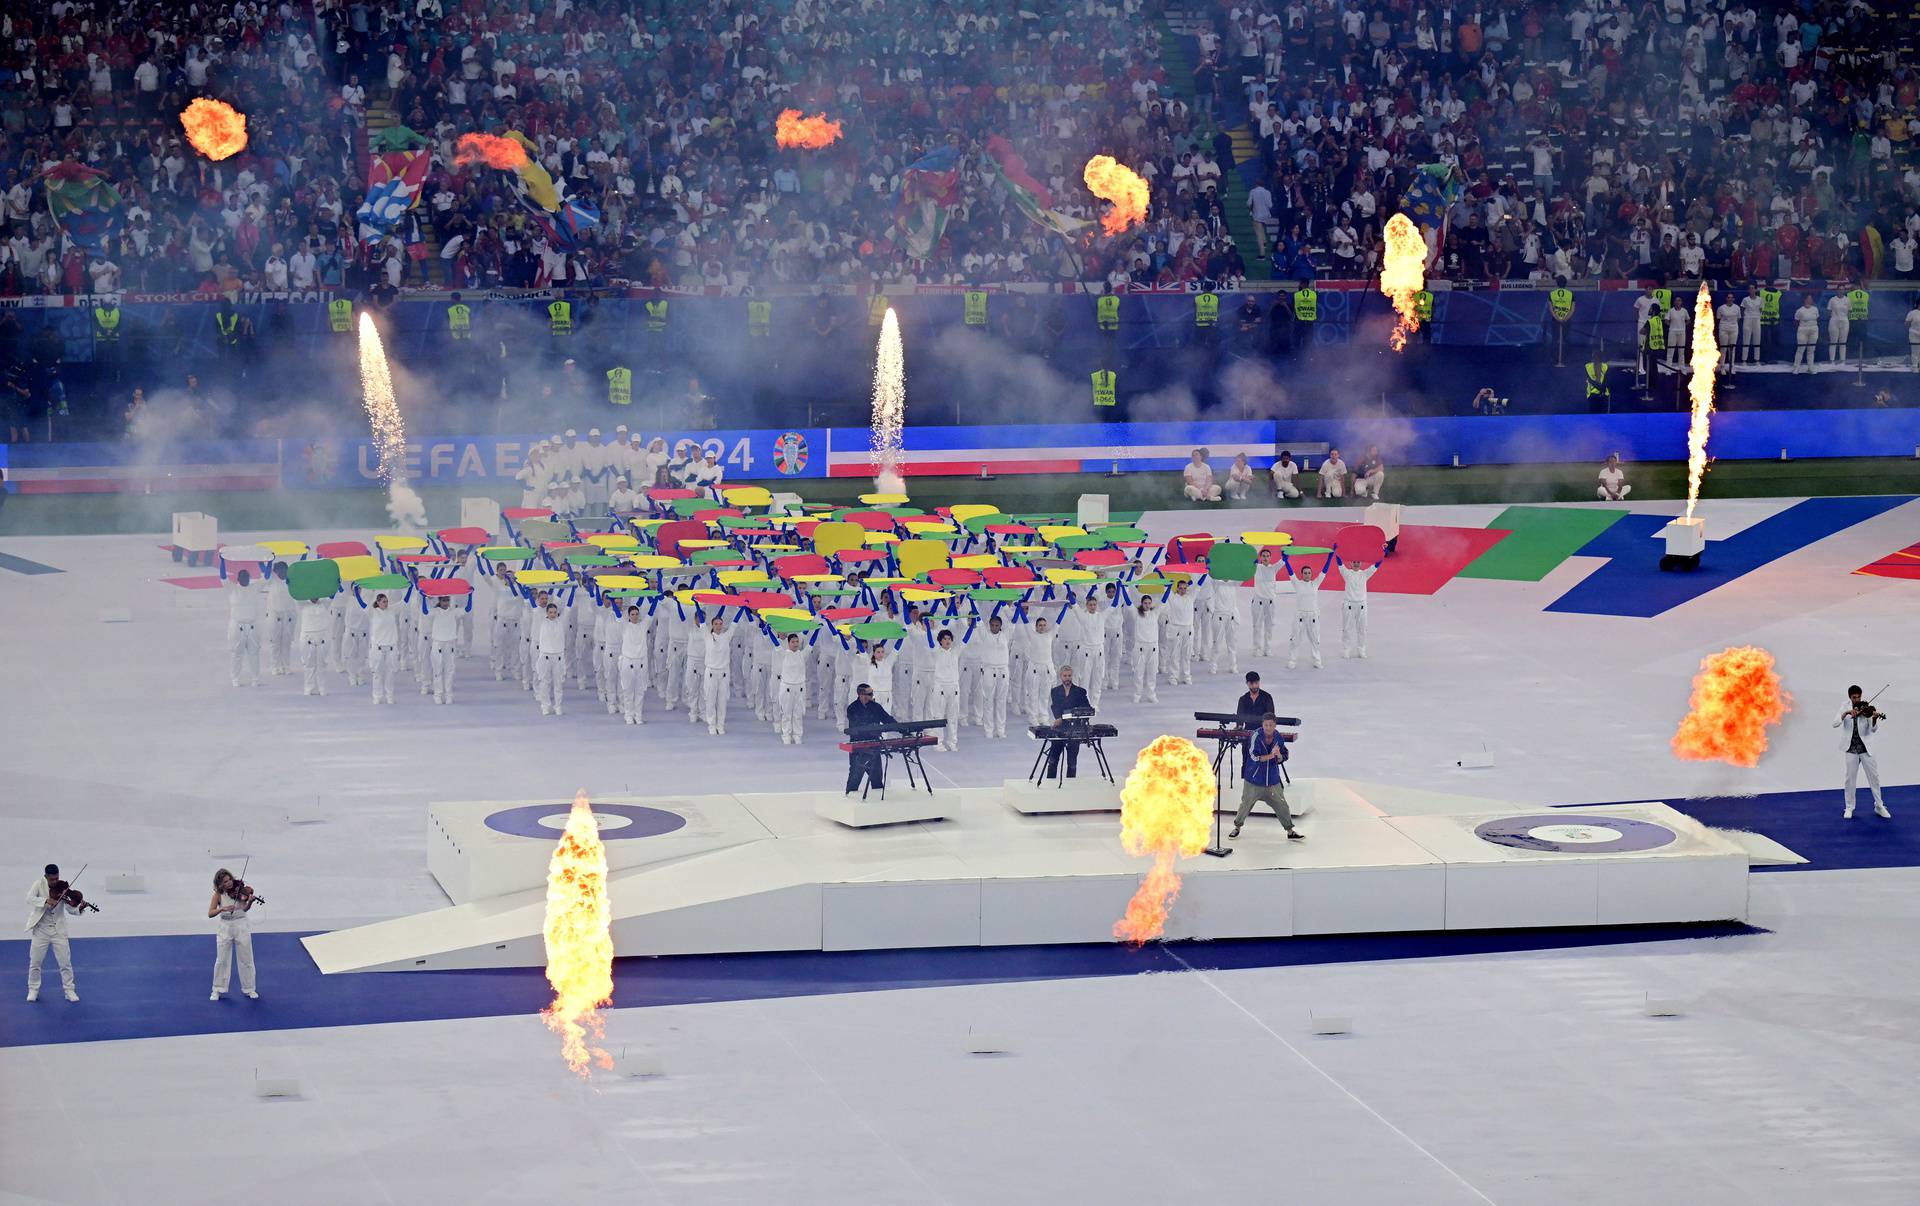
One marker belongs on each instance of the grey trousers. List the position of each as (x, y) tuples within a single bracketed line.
[(1275, 797)]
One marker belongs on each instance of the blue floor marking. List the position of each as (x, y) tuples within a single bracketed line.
[(1632, 583), (20, 565), (1808, 823), (151, 987)]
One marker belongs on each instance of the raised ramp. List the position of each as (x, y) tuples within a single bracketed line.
[(1376, 859)]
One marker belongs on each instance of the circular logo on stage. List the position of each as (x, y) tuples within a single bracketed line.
[(1564, 834), (790, 453), (616, 821)]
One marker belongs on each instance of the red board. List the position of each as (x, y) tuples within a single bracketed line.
[(420, 559), (1192, 547), (796, 564), (464, 535), (954, 577), (1191, 568), (207, 583), (341, 548), (1425, 560), (872, 521), (857, 556), (667, 537), (1360, 544), (835, 615), (757, 599), (714, 598), (669, 493), (1012, 529), (433, 588), (526, 512)]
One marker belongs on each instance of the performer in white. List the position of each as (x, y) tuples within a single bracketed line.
[(1239, 482), (1913, 337), (1040, 671), (790, 689), (1198, 487), (623, 498), (549, 659), (535, 477), (47, 923), (282, 616), (1372, 476), (1750, 307), (1859, 720), (383, 645), (943, 690), (717, 662), (1333, 476), (636, 646), (1728, 333), (1176, 617), (1679, 327), (503, 651), (443, 630), (1806, 335), (243, 628), (1353, 620), (1613, 480), (1839, 326), (1146, 652), (1115, 612), (1225, 641), (1266, 596), (1090, 660), (990, 702), (316, 622), (1305, 584), (1284, 471), (232, 936)]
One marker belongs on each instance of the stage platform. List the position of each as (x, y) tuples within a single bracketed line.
[(768, 872)]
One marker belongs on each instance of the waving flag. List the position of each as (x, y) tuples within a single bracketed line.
[(1435, 187), (395, 179), (83, 204), (929, 188), (563, 218), (1030, 197)]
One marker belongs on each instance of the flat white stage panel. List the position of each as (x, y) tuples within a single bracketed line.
[(766, 871)]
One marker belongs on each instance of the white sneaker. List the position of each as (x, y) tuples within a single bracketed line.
[(1847, 815), (33, 994), (214, 995), (73, 996), (253, 996), (1880, 810)]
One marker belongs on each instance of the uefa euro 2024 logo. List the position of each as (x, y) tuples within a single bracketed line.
[(790, 453)]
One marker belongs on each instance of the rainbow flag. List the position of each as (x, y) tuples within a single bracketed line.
[(1030, 197), (83, 204), (929, 189)]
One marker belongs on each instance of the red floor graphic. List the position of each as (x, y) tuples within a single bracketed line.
[(1903, 564), (1425, 560), (213, 583)]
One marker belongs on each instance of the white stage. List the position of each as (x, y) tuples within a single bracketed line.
[(767, 872)]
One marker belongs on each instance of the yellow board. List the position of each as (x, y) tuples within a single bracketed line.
[(646, 525), (776, 548), (962, 512), (538, 577), (298, 548), (623, 582), (392, 544), (889, 581), (921, 594), (1054, 532), (831, 538), (881, 538), (918, 557), (1058, 574), (883, 500), (734, 577), (976, 561), (790, 613), (1265, 539), (1023, 550), (612, 541), (747, 496), (653, 561), (703, 544), (353, 569), (816, 578), (1165, 570), (930, 523)]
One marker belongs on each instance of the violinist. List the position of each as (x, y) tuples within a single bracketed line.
[(1859, 720), (47, 922), (231, 902)]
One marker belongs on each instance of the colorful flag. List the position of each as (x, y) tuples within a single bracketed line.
[(929, 188), (1434, 189), (1030, 197), (395, 181), (83, 204)]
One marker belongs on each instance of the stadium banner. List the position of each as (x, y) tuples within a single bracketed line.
[(485, 461), (142, 468), (1053, 448)]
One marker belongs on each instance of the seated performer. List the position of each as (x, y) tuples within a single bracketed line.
[(864, 713), (1613, 480), (1067, 696)]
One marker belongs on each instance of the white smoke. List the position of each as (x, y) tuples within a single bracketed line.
[(406, 509)]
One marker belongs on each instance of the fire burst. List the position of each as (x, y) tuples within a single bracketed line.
[(889, 407), (1706, 362), (1736, 696), (795, 129), (1403, 274), (1114, 181), (1166, 809), (215, 128), (490, 149), (579, 934)]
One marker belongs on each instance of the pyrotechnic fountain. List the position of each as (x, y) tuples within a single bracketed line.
[(404, 505), (1736, 696), (1166, 808), (889, 408), (1686, 537), (1403, 274), (579, 939)]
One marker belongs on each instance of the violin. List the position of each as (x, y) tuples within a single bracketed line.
[(71, 897), (1867, 711), (244, 893)]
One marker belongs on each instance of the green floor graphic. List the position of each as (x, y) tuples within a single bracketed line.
[(1539, 539)]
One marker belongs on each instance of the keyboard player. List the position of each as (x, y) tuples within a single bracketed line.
[(1067, 698), (871, 765), (1254, 704)]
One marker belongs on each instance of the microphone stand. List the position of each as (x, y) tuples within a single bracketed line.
[(1219, 849)]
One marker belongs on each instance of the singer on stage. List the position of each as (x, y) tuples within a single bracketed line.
[(1260, 778)]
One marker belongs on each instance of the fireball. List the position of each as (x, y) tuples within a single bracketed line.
[(1706, 362), (1736, 697), (1403, 274), (215, 128), (1166, 809), (1113, 181), (795, 129), (490, 149), (579, 934)]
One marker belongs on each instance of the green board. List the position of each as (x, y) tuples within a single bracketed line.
[(309, 580), (1231, 562), (785, 624), (996, 594), (369, 587), (879, 630), (504, 554), (1538, 539)]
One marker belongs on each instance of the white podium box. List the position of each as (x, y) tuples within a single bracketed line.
[(195, 532), (1685, 537), (482, 513), (1093, 510), (1084, 794), (900, 806), (1385, 516)]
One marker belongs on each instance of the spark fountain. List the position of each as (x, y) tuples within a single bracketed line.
[(889, 408), (579, 940), (404, 505), (1686, 537)]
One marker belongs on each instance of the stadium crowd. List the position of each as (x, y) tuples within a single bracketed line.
[(1586, 138)]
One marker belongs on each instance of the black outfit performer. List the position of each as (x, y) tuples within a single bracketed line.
[(864, 713), (1065, 698), (1254, 704)]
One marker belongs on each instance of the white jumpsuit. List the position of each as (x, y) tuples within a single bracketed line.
[(1266, 596), (717, 669), (990, 702), (879, 670), (943, 691), (1041, 672), (1176, 618), (1306, 619), (1839, 326), (549, 663), (232, 942), (1806, 337), (635, 646), (1750, 329), (1146, 658), (695, 688), (1728, 334), (789, 684), (282, 619), (383, 650), (316, 621), (243, 632), (1353, 620), (1226, 625), (443, 631), (1090, 665), (505, 649), (1114, 616)]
